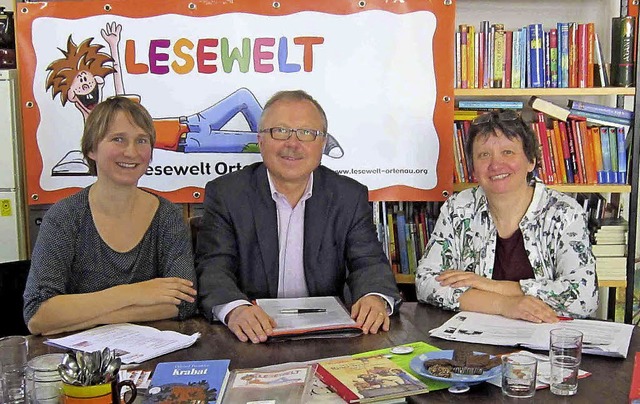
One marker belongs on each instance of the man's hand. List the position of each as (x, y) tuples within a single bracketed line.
[(458, 279), (163, 290), (370, 312), (250, 323), (527, 308)]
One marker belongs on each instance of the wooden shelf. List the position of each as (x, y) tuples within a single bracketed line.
[(601, 188), (514, 92), (405, 279), (603, 283)]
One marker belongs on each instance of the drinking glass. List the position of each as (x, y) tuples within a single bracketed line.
[(43, 381), (13, 359), (565, 354), (519, 375)]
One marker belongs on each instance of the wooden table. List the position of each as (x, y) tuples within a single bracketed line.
[(609, 383)]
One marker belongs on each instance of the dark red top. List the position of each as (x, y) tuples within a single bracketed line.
[(512, 263)]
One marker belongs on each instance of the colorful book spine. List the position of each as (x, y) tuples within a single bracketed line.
[(601, 78), (553, 56), (622, 156), (590, 53), (606, 156), (489, 104), (547, 58), (589, 157), (401, 225), (597, 148), (508, 56), (566, 152), (625, 57), (573, 55), (471, 56), (464, 53), (524, 54), (613, 146), (581, 41), (558, 153), (600, 109), (563, 70), (546, 152), (536, 52), (600, 117), (498, 59), (577, 139), (515, 60)]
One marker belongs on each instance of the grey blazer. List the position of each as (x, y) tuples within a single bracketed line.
[(237, 244)]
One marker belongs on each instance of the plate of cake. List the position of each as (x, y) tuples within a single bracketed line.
[(457, 366)]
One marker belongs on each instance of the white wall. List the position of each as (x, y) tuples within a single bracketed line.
[(8, 4)]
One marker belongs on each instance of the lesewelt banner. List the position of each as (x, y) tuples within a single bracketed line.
[(381, 69)]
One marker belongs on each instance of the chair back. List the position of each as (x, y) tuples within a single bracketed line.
[(194, 225), (13, 278)]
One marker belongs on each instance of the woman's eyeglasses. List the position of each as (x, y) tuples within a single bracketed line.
[(504, 116)]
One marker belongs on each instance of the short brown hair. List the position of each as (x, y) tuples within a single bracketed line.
[(295, 95), (98, 121), (512, 126)]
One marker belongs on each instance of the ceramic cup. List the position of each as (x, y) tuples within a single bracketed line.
[(106, 393)]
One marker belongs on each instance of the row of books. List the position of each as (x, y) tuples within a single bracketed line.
[(569, 55), (361, 379), (574, 149), (404, 229)]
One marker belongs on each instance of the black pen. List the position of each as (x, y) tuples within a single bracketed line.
[(302, 311)]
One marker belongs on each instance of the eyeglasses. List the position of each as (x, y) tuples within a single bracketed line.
[(303, 135), (508, 115)]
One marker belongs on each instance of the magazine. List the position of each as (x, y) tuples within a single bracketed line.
[(600, 337), (309, 317), (187, 382), (367, 380), (284, 386)]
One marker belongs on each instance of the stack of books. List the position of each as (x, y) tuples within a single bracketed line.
[(610, 249)]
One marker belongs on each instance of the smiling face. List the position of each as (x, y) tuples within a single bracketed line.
[(500, 164), (290, 162), (123, 155), (85, 91)]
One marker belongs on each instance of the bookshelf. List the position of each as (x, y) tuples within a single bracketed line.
[(549, 12)]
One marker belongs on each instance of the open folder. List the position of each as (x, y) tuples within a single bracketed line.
[(309, 317)]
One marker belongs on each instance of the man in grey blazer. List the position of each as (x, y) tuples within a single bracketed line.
[(288, 227)]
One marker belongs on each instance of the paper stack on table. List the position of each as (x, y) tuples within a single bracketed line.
[(132, 343), (600, 337)]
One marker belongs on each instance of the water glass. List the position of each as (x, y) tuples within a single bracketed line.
[(13, 359), (43, 381), (565, 354), (519, 375)]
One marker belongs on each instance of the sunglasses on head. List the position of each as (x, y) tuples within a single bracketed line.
[(508, 115)]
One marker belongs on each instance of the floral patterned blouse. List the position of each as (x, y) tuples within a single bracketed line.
[(556, 239)]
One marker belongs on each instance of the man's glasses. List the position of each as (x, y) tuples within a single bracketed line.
[(303, 135), (504, 116)]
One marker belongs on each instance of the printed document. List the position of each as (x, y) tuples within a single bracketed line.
[(318, 317), (600, 337), (132, 343)]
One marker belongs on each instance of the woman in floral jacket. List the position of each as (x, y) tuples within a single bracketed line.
[(510, 246)]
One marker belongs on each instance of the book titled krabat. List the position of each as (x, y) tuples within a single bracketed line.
[(368, 380), (187, 382)]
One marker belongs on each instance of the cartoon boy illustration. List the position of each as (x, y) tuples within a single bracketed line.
[(79, 78)]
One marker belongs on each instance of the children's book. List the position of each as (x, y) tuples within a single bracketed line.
[(187, 382), (284, 386), (367, 380)]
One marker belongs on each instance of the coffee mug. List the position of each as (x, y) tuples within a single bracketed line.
[(106, 393)]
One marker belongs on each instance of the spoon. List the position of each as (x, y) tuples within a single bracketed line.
[(111, 372), (67, 374)]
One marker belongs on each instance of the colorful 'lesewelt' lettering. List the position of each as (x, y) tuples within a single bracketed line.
[(207, 54)]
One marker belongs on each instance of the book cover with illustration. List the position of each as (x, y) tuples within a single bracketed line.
[(187, 382), (367, 380), (283, 386)]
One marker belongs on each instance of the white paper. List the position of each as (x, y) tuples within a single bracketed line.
[(335, 315), (600, 337), (132, 343)]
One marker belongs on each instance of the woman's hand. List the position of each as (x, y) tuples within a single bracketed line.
[(527, 308), (458, 279), (163, 291)]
